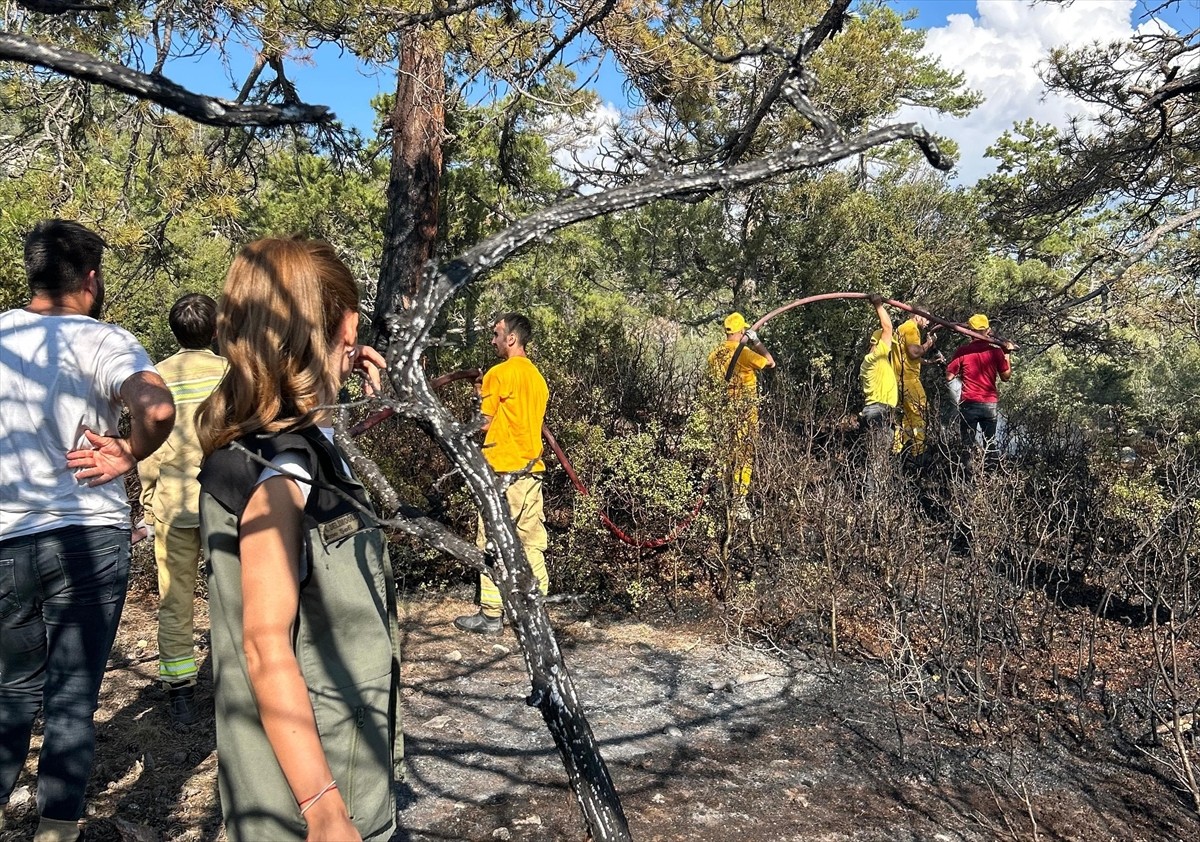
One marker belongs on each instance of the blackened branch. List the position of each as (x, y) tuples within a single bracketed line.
[(212, 111), (537, 226), (61, 7), (799, 100), (830, 24), (1182, 86)]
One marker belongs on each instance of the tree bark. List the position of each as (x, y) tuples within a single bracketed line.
[(418, 123)]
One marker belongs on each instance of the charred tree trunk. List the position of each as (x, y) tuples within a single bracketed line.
[(418, 123), (553, 691), (410, 232)]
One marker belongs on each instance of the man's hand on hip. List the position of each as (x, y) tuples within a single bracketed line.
[(108, 458)]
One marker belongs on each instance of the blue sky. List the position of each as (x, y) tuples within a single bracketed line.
[(997, 44), (334, 78), (934, 12)]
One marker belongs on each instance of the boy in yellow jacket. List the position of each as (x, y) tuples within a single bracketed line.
[(171, 493)]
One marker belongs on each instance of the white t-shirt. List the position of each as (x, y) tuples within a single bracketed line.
[(59, 375), (296, 468)]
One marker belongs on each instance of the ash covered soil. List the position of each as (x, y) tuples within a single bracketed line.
[(705, 740)]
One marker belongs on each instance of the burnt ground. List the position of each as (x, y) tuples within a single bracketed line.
[(705, 740)]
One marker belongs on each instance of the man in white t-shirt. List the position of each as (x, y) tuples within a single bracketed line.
[(64, 514)]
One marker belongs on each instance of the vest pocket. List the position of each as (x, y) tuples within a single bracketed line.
[(353, 724)]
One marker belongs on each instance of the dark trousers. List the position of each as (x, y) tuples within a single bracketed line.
[(876, 420), (61, 595), (877, 416), (978, 416)]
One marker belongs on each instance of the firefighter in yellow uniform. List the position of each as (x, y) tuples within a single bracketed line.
[(741, 402), (907, 359), (514, 402)]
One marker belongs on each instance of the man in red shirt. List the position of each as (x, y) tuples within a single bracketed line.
[(978, 364)]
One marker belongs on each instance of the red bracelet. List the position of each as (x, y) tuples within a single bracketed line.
[(308, 802)]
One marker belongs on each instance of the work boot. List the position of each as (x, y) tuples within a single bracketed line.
[(479, 623), (181, 701), (56, 830)]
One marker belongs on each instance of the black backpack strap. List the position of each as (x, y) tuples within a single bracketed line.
[(733, 358)]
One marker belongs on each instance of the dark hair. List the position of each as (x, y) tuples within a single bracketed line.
[(519, 326), (59, 254), (193, 320)]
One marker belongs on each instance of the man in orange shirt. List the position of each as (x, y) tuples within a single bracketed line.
[(514, 405), (741, 402)]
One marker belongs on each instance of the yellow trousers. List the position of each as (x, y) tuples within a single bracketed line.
[(741, 452), (914, 406), (177, 554), (525, 506)]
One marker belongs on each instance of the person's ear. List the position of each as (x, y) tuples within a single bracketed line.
[(349, 328)]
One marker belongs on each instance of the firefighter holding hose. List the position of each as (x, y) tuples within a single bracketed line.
[(740, 410), (907, 359)]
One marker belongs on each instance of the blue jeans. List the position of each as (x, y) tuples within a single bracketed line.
[(981, 416), (61, 595)]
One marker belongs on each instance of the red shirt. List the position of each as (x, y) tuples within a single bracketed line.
[(978, 363)]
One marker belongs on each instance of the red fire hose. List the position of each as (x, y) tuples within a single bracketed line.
[(472, 373), (900, 305), (831, 296)]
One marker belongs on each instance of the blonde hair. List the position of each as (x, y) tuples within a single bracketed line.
[(282, 305)]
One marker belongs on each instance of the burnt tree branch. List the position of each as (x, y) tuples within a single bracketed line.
[(1182, 86), (212, 111), (61, 7), (792, 158), (830, 24), (410, 335)]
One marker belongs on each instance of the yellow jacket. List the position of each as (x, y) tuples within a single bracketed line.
[(170, 491)]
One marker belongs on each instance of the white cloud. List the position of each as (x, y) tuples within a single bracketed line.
[(999, 52), (583, 143)]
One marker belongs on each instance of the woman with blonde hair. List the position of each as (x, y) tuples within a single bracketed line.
[(301, 595)]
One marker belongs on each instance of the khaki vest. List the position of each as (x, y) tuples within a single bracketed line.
[(346, 642)]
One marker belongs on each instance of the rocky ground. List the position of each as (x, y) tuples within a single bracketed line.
[(705, 741)]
